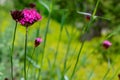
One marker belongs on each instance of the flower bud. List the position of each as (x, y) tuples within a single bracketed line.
[(37, 41), (32, 5), (17, 15), (106, 44)]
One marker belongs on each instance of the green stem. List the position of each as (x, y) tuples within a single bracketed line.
[(85, 30), (104, 78), (12, 51), (56, 53), (25, 55), (108, 70), (59, 38), (67, 52), (66, 55), (77, 59), (44, 44), (31, 58), (46, 32)]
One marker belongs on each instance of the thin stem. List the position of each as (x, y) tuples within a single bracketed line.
[(12, 51), (85, 30), (25, 55), (77, 59), (104, 78), (46, 32), (108, 70), (31, 58), (44, 44), (58, 43), (47, 28), (56, 53), (59, 38), (67, 52)]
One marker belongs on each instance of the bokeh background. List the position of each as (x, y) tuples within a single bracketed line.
[(93, 64)]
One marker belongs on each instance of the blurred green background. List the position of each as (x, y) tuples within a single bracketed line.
[(92, 64)]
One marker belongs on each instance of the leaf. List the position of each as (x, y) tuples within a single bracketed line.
[(43, 4), (115, 32), (94, 17), (33, 62), (49, 63)]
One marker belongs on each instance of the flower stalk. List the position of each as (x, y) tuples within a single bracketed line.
[(25, 54), (85, 30), (12, 51), (31, 58)]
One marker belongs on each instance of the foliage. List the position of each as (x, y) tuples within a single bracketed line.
[(92, 64)]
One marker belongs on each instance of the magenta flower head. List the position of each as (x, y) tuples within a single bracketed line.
[(30, 17), (106, 44), (17, 15), (37, 41)]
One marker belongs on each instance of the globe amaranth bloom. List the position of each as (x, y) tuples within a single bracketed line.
[(37, 41), (17, 15), (106, 44), (30, 17)]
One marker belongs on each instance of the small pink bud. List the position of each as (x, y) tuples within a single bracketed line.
[(37, 41), (106, 44)]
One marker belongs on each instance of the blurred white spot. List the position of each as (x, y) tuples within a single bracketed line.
[(65, 77), (2, 2), (22, 78)]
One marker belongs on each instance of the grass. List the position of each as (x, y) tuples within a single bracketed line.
[(91, 63)]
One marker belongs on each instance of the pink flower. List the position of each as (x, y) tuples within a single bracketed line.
[(30, 17), (106, 44), (37, 41), (17, 15)]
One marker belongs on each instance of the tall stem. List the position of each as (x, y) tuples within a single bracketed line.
[(47, 27), (77, 59), (31, 58), (12, 51), (85, 30), (59, 38), (25, 55)]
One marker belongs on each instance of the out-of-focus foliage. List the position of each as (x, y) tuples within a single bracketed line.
[(91, 61), (107, 8)]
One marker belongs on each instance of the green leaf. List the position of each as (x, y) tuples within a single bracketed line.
[(94, 17), (33, 62), (43, 4)]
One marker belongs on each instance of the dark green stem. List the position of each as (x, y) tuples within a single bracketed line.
[(25, 55), (59, 38), (67, 52), (104, 78), (85, 30), (56, 53), (12, 51), (108, 70), (31, 58), (46, 32), (77, 59)]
